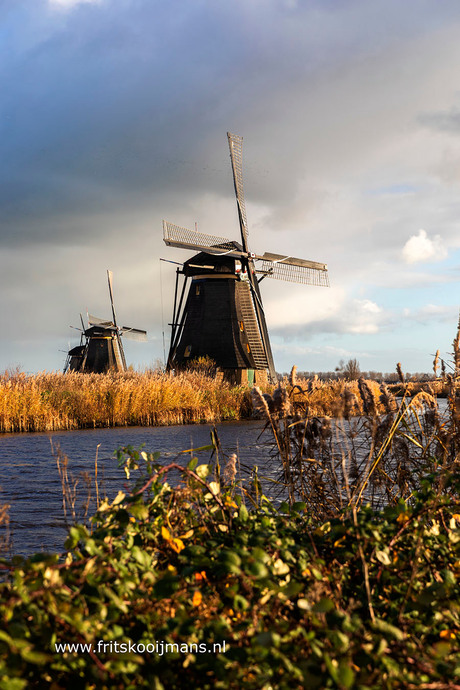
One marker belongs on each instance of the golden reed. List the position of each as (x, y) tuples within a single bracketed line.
[(56, 401)]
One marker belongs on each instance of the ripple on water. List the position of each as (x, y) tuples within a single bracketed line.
[(30, 482)]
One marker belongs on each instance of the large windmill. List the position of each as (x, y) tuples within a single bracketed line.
[(101, 347), (223, 317)]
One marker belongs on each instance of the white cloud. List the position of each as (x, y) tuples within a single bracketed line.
[(364, 317), (423, 248), (432, 313), (68, 4), (299, 313)]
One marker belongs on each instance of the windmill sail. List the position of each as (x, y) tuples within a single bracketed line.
[(236, 155), (294, 270), (133, 334), (110, 281), (96, 321), (175, 236)]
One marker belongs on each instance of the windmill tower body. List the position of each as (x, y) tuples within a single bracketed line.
[(104, 351), (219, 320), (75, 358), (223, 316)]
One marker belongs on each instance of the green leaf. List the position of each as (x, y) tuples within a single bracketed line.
[(34, 657), (243, 513), (240, 603), (192, 464), (292, 589), (141, 556), (299, 506), (260, 555), (345, 675), (203, 471), (324, 605), (388, 629), (139, 511), (258, 570), (227, 556), (383, 556), (13, 683)]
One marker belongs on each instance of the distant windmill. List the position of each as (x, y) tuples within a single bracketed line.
[(223, 316), (101, 347)]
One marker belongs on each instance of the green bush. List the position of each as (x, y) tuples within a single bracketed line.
[(368, 599)]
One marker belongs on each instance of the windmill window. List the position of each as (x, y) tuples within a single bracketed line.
[(198, 290), (241, 326), (188, 350), (247, 347)]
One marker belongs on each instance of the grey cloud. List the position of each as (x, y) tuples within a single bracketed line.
[(447, 121), (109, 104), (114, 115)]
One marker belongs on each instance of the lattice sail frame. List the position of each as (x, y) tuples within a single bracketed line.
[(236, 155), (275, 266), (295, 274), (134, 334), (96, 321), (176, 236)]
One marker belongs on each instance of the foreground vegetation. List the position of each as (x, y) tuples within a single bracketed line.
[(364, 600), (320, 587)]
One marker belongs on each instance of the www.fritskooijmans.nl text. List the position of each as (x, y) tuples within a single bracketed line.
[(130, 647)]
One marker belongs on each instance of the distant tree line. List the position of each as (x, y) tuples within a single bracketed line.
[(351, 371)]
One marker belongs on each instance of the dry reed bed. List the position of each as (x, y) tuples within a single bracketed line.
[(376, 451), (315, 398), (56, 401)]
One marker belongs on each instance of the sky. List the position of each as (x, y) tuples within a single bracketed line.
[(114, 114)]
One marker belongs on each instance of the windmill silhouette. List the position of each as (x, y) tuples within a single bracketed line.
[(223, 316), (101, 347)]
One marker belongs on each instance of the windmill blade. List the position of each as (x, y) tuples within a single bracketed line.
[(175, 236), (294, 270), (133, 333), (235, 144), (110, 281), (95, 321)]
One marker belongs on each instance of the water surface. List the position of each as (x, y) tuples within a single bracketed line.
[(31, 485)]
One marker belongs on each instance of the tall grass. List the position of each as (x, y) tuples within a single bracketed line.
[(375, 450), (55, 401)]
